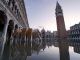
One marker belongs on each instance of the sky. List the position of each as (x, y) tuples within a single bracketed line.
[(41, 13)]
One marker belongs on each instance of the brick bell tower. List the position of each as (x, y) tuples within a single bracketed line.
[(60, 21)]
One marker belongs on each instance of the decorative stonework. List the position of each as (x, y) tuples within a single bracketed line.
[(17, 8), (15, 12)]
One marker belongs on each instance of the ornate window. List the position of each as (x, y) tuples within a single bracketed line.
[(13, 3), (9, 2)]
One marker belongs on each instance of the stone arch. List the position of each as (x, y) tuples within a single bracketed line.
[(10, 29), (3, 21)]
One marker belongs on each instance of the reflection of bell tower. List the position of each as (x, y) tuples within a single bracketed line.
[(60, 21)]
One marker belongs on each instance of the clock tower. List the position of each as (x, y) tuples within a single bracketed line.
[(60, 21)]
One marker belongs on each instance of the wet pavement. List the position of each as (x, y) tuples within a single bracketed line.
[(48, 50)]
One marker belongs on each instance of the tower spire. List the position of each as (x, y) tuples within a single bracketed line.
[(58, 5), (58, 9)]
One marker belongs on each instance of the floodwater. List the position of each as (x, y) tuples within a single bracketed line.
[(46, 50)]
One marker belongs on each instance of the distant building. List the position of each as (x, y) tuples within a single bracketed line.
[(55, 35), (47, 36), (43, 34), (36, 36), (74, 34)]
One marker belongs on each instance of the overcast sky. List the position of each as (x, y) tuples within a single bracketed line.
[(41, 13)]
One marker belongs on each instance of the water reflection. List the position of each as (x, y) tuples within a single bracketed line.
[(77, 49), (24, 51), (64, 49), (6, 52)]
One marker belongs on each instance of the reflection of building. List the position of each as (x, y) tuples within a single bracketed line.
[(77, 49), (75, 32), (76, 46), (19, 52), (60, 21), (63, 49), (12, 13)]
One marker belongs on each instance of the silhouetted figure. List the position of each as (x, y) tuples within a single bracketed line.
[(9, 31)]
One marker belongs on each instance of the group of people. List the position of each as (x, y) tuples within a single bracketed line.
[(21, 35)]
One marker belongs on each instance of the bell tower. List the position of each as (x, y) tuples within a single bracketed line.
[(60, 21)]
